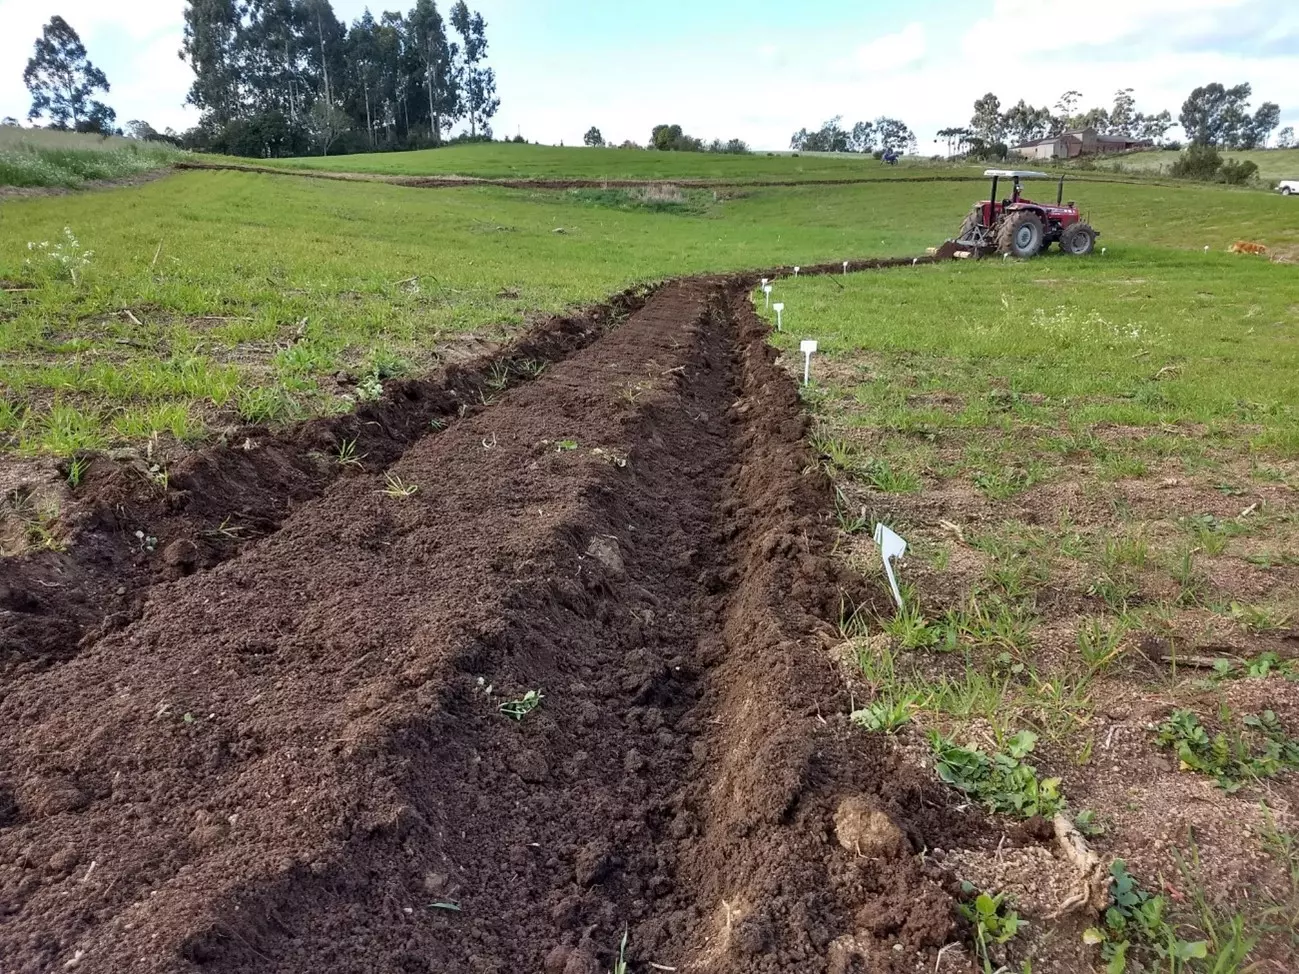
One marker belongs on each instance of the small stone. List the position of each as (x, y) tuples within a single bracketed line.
[(863, 829), (606, 551)]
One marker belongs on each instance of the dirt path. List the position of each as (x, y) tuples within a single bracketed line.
[(296, 760)]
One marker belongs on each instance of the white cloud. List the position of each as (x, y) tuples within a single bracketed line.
[(893, 51)]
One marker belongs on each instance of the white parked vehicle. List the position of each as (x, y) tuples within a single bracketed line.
[(1289, 187)]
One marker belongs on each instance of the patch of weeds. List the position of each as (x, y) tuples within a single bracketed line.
[(1259, 618), (346, 456), (1115, 592), (1005, 482), (835, 455), (993, 622), (498, 378), (881, 475), (564, 446), (995, 924), (145, 543), (526, 704), (39, 520), (1135, 924), (1003, 781), (848, 521), (1125, 550), (1233, 758), (1088, 823), (913, 631), (77, 468), (1017, 578), (1190, 581), (886, 714), (369, 388), (394, 486), (1208, 533), (383, 364), (265, 405), (1100, 642), (1122, 468), (531, 368)]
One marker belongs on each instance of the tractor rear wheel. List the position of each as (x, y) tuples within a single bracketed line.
[(1079, 240), (1021, 235)]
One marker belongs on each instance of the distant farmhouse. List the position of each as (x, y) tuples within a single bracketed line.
[(1083, 142)]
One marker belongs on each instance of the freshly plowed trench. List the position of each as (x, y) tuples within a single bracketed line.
[(296, 760)]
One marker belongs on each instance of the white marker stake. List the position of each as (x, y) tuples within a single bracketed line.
[(765, 282), (766, 289), (779, 306), (891, 547), (915, 261), (796, 270), (845, 267), (1103, 251), (1206, 250), (807, 347)]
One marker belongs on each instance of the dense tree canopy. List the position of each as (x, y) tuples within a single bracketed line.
[(62, 82), (286, 76), (1219, 116)]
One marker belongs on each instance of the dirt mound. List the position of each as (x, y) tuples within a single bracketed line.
[(216, 501), (321, 753)]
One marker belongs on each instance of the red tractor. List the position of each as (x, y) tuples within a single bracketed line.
[(1021, 228)]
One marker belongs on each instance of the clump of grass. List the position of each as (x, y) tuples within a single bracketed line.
[(347, 455), (394, 486), (27, 162), (267, 404)]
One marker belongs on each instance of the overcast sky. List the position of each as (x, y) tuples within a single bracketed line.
[(756, 69)]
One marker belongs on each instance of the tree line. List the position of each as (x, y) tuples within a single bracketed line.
[(277, 77), (1212, 115), (884, 136), (286, 77)]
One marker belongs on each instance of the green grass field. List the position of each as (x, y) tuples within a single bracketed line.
[(524, 161), (220, 270), (1094, 460), (1094, 463), (1273, 164), (39, 157)]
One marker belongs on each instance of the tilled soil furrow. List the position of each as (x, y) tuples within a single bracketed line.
[(221, 499), (299, 760)]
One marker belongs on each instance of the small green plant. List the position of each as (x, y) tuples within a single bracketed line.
[(913, 631), (1263, 750), (369, 388), (564, 446), (1135, 923), (526, 704), (65, 254), (1100, 642), (445, 905), (1088, 824), (620, 967), (836, 455), (347, 455), (394, 486), (1259, 618), (499, 377), (886, 714), (1002, 782), (77, 468), (881, 475), (994, 923)]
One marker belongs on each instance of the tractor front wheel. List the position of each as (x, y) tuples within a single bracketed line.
[(1021, 235), (1078, 240)]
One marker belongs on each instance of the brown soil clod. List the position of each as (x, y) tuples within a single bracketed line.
[(292, 754)]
